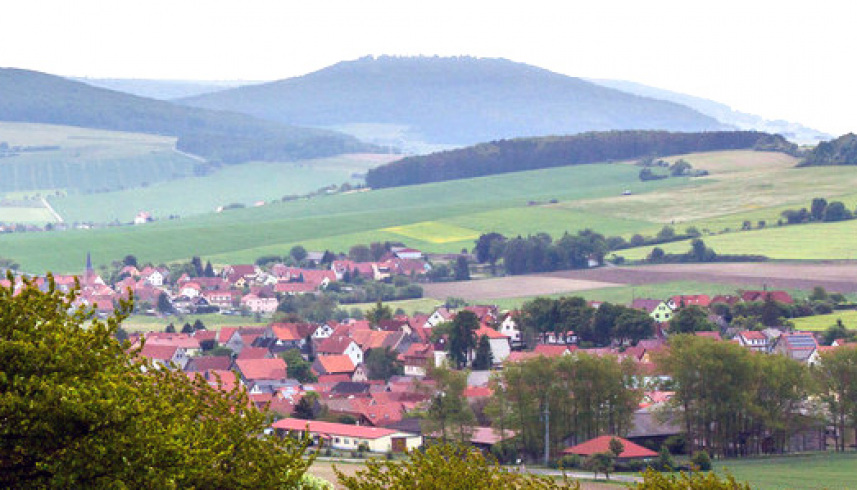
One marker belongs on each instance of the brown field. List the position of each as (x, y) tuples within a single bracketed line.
[(838, 276)]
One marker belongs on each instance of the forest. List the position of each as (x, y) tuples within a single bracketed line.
[(520, 154)]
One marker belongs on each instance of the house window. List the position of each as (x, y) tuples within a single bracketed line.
[(336, 440)]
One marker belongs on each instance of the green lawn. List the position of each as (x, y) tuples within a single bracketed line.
[(817, 471), (141, 323), (245, 184), (323, 222), (813, 241), (410, 306), (820, 323), (626, 294)]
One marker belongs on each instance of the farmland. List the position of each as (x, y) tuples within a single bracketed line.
[(447, 217), (820, 323)]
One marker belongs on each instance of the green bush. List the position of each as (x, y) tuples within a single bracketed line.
[(702, 460)]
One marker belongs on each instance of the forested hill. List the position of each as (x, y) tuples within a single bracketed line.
[(28, 96), (459, 100), (556, 151), (840, 151)]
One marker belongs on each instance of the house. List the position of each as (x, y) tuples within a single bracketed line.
[(417, 359), (165, 355), (485, 313), (800, 346), (778, 296), (262, 369), (338, 345), (601, 444), (333, 364), (406, 253), (660, 311), (500, 347), (351, 437), (208, 363), (287, 335), (440, 315), (262, 306), (509, 328), (677, 302), (154, 276), (240, 275), (753, 340)]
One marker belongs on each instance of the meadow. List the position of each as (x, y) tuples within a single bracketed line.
[(811, 471), (446, 217), (820, 323), (213, 321)]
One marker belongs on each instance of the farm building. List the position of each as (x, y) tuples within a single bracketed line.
[(344, 436)]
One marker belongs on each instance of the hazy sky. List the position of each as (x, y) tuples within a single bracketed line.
[(780, 59)]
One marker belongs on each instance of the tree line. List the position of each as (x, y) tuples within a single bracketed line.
[(519, 154), (839, 151)]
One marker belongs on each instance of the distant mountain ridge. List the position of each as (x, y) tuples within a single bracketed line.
[(461, 100), (29, 96), (739, 120), (163, 89)]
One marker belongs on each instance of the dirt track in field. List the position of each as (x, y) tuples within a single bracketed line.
[(835, 276)]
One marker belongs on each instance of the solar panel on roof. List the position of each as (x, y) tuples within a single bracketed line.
[(801, 341)]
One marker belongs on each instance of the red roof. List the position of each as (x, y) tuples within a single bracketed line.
[(254, 353), (691, 299), (336, 364), (752, 335), (262, 368), (602, 445), (159, 352), (333, 429), (335, 344), (781, 296), (489, 332)]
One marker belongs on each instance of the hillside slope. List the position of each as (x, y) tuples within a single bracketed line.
[(453, 100), (28, 96), (555, 151)]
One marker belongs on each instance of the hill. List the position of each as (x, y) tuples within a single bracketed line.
[(460, 100), (162, 89), (28, 96), (532, 153), (739, 120)]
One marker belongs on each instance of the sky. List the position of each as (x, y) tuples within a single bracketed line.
[(789, 60)]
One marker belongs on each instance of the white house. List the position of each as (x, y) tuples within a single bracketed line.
[(509, 328), (351, 437)]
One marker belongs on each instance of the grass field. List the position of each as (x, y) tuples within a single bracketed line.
[(140, 323), (447, 216), (818, 471), (410, 306), (244, 234), (814, 241), (820, 323), (87, 159), (245, 184)]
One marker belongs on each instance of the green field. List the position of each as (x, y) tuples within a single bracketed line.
[(820, 323), (816, 471), (626, 294), (88, 160), (446, 217), (246, 184), (410, 306), (140, 323), (815, 241), (331, 221)]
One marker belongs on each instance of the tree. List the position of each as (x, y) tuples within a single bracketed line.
[(489, 248), (165, 306), (209, 270), (462, 269), (383, 364), (308, 406), (699, 252), (198, 325), (378, 313), (653, 480), (601, 463), (449, 416), (82, 410), (836, 211), (657, 255), (836, 375), (633, 325), (187, 328), (130, 260), (484, 359), (298, 253), (817, 208), (444, 466), (360, 253), (170, 328), (691, 319), (679, 168), (462, 337), (298, 368), (616, 447), (198, 269), (666, 234)]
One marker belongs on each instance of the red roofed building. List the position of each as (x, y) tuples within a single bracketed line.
[(163, 355), (262, 369), (753, 340), (333, 364), (601, 444), (500, 346), (338, 345), (690, 300), (344, 436), (779, 296)]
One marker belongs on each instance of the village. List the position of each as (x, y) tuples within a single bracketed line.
[(370, 385)]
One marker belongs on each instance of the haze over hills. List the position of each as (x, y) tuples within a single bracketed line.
[(460, 100), (164, 89), (740, 120), (29, 96)]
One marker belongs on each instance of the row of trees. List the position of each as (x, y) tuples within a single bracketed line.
[(598, 326), (820, 211), (554, 151), (540, 253), (733, 402)]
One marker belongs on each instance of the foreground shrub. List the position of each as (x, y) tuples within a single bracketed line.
[(652, 480), (444, 467)]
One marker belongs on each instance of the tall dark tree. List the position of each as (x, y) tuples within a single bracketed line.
[(198, 325), (187, 328), (130, 260), (462, 337), (199, 270), (298, 253), (691, 319), (817, 208), (209, 270), (462, 269), (383, 363), (489, 248), (165, 306), (484, 358), (298, 368)]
